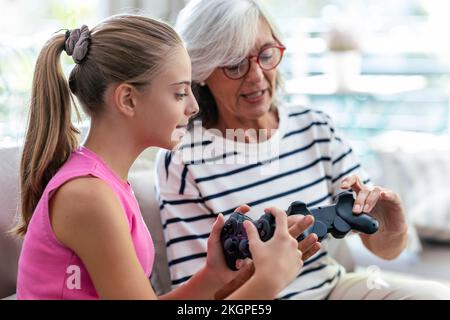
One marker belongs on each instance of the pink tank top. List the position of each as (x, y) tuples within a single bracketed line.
[(48, 269)]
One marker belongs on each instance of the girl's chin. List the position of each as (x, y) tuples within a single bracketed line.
[(176, 137), (169, 145), (171, 142)]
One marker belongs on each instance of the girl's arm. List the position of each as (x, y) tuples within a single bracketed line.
[(280, 253), (214, 275), (87, 217)]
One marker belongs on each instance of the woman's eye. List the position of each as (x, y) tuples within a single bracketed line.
[(266, 57), (237, 67), (233, 68)]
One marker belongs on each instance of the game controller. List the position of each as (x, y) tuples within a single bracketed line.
[(337, 219), (234, 237)]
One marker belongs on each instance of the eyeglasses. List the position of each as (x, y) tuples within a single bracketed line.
[(267, 59)]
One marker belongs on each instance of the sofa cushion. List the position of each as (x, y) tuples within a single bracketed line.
[(142, 181), (9, 196), (417, 165), (432, 216)]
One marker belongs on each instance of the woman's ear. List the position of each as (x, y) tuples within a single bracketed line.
[(125, 99)]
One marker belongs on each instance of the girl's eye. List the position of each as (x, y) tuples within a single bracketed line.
[(180, 96)]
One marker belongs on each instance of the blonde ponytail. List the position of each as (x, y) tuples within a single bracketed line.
[(50, 135)]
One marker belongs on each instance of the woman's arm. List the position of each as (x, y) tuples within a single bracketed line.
[(386, 206)]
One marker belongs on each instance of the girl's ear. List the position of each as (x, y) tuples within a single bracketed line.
[(125, 99)]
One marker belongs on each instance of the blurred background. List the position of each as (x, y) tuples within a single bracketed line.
[(379, 68)]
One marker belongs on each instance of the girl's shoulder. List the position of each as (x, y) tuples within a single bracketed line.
[(80, 202)]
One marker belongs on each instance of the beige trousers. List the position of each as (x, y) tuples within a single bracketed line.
[(355, 286)]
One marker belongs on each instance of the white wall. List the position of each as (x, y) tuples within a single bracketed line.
[(166, 9)]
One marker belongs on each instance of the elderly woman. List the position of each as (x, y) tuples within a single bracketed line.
[(251, 149)]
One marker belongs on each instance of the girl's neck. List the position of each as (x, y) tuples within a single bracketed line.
[(115, 147)]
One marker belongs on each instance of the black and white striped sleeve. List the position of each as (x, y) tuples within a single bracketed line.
[(343, 159)]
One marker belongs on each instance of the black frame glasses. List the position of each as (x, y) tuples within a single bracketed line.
[(263, 57)]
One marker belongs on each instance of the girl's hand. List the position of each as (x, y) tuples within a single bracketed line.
[(215, 260), (309, 246), (297, 224), (278, 260)]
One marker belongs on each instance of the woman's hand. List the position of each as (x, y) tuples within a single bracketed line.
[(386, 206)]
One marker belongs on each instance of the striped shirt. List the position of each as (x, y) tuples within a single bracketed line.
[(305, 159)]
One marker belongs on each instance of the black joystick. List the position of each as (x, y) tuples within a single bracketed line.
[(234, 238), (337, 219)]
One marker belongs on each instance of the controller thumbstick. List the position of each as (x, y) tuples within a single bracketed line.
[(263, 229), (230, 245), (244, 250)]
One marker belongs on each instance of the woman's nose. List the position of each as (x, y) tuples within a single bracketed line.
[(255, 73)]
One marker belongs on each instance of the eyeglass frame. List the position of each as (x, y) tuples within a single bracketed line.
[(249, 58)]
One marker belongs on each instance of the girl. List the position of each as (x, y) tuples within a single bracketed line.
[(84, 234)]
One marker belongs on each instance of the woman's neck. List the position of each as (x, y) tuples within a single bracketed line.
[(263, 127)]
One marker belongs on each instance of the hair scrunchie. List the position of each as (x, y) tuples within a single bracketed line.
[(77, 43)]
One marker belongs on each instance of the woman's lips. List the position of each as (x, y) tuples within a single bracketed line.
[(254, 97)]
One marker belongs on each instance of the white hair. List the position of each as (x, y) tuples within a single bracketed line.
[(219, 32)]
